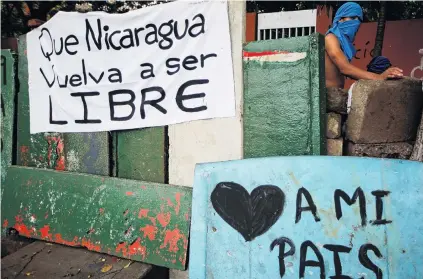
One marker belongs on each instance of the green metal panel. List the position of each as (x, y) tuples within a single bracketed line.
[(284, 101), (141, 154), (44, 150), (87, 152), (7, 110), (82, 152), (142, 221)]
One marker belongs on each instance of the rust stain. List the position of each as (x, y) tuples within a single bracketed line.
[(143, 213), (45, 232), (60, 163), (90, 246), (22, 228), (143, 187), (129, 193), (149, 231), (169, 203), (125, 212), (5, 223), (101, 210), (137, 248), (186, 216), (46, 215), (122, 248), (58, 238), (171, 239), (163, 218), (178, 202), (24, 154)]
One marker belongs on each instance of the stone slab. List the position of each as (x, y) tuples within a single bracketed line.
[(337, 100), (41, 260), (335, 147), (399, 150), (385, 111), (333, 125)]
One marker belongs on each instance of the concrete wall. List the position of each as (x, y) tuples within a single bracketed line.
[(217, 139), (210, 140)]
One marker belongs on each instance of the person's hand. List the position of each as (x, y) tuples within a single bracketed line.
[(392, 73)]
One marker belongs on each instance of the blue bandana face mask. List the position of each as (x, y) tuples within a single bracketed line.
[(346, 31), (349, 28)]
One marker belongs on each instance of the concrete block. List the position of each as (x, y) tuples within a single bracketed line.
[(333, 125), (178, 274), (336, 100), (398, 150), (385, 111), (335, 146)]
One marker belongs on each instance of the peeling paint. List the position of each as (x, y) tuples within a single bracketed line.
[(143, 213), (163, 218), (149, 231), (171, 239)]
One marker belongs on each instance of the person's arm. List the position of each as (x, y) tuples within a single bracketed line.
[(333, 49)]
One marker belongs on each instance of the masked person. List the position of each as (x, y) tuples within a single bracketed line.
[(340, 50)]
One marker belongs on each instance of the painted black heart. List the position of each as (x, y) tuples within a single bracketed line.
[(251, 215)]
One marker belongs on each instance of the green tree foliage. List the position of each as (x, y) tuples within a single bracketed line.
[(17, 18)]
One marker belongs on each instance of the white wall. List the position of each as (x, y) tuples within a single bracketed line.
[(286, 24), (217, 139), (210, 140)]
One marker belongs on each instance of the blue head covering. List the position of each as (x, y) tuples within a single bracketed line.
[(379, 64), (346, 31)]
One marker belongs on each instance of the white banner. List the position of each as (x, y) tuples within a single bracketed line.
[(155, 66)]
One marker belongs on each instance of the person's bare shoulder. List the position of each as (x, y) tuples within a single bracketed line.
[(331, 41)]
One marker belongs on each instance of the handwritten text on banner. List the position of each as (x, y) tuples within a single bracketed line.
[(155, 66)]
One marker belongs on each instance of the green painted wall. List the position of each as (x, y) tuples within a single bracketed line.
[(285, 102), (141, 154), (7, 110)]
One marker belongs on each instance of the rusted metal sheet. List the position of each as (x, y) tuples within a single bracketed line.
[(39, 150), (7, 110), (141, 154), (143, 221), (307, 217)]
